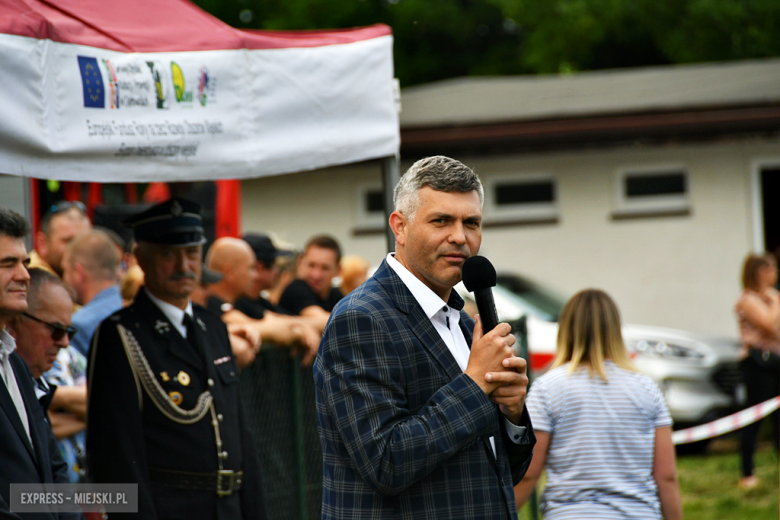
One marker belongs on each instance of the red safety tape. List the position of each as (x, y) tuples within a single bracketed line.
[(727, 424)]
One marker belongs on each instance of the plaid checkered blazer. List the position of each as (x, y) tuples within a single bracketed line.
[(405, 433)]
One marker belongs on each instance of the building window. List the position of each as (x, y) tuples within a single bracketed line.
[(518, 200), (512, 193), (652, 191), (369, 212), (374, 202), (656, 185)]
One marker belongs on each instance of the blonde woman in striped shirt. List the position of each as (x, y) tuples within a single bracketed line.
[(603, 430)]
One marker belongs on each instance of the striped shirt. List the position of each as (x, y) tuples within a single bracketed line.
[(602, 438)]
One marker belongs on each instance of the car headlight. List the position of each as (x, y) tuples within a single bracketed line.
[(663, 349)]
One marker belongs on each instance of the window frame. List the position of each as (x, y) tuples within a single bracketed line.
[(520, 213), (653, 205), (365, 221)]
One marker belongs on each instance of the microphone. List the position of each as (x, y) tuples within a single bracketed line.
[(479, 276)]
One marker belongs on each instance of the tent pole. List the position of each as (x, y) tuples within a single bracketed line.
[(391, 174)]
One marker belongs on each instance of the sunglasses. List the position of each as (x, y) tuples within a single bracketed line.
[(57, 331), (65, 205)]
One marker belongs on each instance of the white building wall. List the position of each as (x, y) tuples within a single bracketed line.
[(674, 271)]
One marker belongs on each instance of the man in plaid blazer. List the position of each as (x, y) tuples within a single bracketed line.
[(421, 416)]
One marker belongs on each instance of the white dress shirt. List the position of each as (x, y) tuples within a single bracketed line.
[(7, 347), (446, 321)]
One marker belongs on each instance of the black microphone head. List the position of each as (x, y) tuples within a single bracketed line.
[(478, 273)]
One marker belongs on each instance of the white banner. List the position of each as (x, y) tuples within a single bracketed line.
[(77, 113)]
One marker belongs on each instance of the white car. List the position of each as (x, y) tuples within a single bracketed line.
[(698, 375)]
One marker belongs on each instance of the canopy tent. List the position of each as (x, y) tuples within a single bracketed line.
[(117, 91)]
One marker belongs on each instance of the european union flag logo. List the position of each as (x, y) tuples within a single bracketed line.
[(92, 82)]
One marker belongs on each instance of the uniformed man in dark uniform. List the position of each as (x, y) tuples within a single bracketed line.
[(164, 404)]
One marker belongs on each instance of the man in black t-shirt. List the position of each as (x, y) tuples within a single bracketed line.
[(312, 295), (228, 298), (267, 270)]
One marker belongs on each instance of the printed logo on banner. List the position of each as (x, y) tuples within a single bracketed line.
[(177, 76), (91, 82), (113, 83), (160, 83), (203, 86)]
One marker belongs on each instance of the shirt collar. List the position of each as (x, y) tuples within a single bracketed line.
[(7, 342), (430, 302), (174, 314), (110, 292), (41, 387)]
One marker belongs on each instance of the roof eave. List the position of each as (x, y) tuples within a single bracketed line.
[(693, 124)]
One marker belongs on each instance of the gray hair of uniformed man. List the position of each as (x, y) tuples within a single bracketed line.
[(439, 173), (95, 250)]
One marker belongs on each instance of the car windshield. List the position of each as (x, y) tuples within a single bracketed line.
[(539, 301)]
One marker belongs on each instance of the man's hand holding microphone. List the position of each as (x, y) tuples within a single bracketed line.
[(493, 364)]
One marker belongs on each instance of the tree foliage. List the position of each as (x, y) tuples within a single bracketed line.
[(563, 35), (437, 39)]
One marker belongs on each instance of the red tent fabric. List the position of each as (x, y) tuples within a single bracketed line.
[(124, 26)]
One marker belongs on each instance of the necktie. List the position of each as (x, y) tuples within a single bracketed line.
[(13, 389), (193, 335)]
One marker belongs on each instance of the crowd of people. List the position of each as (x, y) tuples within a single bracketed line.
[(121, 362), (53, 304)]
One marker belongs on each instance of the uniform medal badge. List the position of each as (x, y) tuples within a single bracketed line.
[(176, 397), (183, 378)]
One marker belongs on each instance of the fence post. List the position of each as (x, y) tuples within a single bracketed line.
[(300, 463), (520, 327)]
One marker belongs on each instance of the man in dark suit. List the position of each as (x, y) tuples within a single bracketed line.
[(406, 409), (28, 450), (164, 408)]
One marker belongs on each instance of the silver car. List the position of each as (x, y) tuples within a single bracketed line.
[(698, 375)]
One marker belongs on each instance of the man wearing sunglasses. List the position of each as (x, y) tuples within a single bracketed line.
[(42, 334), (62, 223), (43, 329), (28, 451), (164, 402)]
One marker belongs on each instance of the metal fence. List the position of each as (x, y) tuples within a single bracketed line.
[(279, 400)]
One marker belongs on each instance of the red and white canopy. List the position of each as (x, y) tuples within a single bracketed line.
[(158, 90)]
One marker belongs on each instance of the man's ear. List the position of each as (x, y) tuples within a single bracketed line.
[(398, 224), (81, 272), (40, 243)]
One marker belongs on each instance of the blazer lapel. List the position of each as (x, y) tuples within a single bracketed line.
[(177, 344), (9, 407), (419, 323), (422, 327)]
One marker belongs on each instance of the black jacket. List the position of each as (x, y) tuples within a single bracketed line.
[(127, 434), (22, 463)]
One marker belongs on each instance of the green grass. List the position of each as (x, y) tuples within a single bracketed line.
[(708, 484)]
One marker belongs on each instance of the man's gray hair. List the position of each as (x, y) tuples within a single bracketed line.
[(439, 173)]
